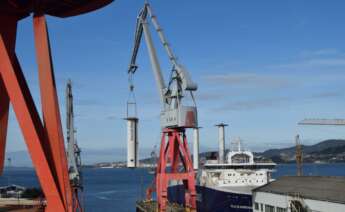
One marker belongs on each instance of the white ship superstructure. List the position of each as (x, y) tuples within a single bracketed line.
[(239, 170), (226, 184)]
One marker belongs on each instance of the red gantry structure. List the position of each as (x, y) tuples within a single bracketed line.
[(44, 138)]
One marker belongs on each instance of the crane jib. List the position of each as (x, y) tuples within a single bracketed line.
[(174, 113)]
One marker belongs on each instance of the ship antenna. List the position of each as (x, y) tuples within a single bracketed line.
[(239, 144)]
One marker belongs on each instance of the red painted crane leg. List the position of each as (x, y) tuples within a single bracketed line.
[(185, 151), (50, 109), (191, 194), (30, 124), (4, 107), (175, 154), (8, 29)]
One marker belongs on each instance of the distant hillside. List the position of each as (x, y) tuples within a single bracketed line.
[(328, 151), (88, 156), (332, 150), (331, 143)]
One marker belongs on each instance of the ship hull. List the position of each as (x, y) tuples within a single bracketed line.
[(213, 200)]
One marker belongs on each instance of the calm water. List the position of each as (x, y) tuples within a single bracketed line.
[(118, 189)]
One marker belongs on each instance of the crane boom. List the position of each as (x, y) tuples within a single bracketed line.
[(187, 82), (141, 27), (161, 36), (154, 61), (173, 113), (337, 122)]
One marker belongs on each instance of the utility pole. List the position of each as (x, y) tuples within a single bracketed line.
[(299, 156)]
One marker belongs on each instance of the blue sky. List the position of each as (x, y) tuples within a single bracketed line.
[(261, 67)]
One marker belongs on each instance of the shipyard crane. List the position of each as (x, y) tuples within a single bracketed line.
[(173, 114), (73, 150), (330, 122), (175, 117)]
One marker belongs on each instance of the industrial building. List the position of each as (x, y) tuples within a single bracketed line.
[(301, 194)]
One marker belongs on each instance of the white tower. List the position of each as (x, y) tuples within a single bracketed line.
[(132, 142), (196, 148), (221, 142)]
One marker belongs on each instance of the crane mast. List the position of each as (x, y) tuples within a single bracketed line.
[(299, 156), (73, 151)]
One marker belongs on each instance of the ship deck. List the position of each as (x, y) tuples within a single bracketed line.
[(236, 189), (151, 206)]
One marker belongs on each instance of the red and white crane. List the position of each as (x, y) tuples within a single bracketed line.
[(175, 117)]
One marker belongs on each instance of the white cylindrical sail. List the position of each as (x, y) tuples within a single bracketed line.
[(132, 143), (196, 148), (221, 142)]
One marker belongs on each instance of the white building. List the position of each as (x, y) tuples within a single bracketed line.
[(301, 194)]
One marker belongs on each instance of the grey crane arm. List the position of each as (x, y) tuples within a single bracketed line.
[(187, 83), (174, 114), (142, 26)]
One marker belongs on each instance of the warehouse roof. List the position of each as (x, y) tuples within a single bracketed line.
[(322, 188)]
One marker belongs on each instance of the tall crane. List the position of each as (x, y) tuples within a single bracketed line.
[(73, 151), (331, 122), (174, 116)]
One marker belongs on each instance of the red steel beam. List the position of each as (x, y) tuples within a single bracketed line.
[(50, 109), (175, 150), (45, 142), (8, 29), (30, 124), (4, 108)]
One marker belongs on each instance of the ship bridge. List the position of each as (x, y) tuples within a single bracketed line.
[(240, 157)]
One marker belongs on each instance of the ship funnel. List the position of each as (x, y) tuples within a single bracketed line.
[(196, 148), (221, 140)]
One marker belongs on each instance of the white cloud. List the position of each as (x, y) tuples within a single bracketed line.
[(250, 79), (252, 104), (317, 60), (320, 52)]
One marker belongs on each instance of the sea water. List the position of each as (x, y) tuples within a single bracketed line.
[(110, 190)]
